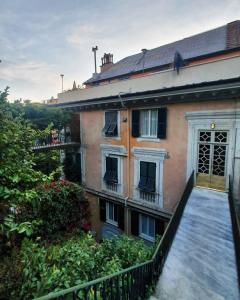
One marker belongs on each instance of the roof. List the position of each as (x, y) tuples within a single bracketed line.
[(213, 41)]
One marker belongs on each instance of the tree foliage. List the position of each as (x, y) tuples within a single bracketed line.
[(18, 173)]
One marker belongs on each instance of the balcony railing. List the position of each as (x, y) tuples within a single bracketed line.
[(112, 187), (132, 283), (149, 197), (56, 139)]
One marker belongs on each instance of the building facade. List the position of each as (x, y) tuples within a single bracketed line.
[(150, 120)]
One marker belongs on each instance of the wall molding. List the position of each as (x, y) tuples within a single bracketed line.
[(113, 149)]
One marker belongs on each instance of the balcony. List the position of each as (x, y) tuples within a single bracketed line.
[(57, 139)]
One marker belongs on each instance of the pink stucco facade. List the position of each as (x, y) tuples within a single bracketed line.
[(176, 143)]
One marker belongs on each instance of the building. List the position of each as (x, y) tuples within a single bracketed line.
[(149, 120)]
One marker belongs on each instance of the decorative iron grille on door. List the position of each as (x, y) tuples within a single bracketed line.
[(212, 158)]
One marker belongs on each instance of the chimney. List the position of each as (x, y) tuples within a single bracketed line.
[(233, 34), (107, 61)]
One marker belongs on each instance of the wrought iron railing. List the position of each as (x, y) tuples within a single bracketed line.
[(132, 283), (235, 226), (54, 138)]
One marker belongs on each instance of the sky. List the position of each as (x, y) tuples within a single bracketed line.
[(41, 39)]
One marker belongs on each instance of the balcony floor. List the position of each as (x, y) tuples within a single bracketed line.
[(201, 263)]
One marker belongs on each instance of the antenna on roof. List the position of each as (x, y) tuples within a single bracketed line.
[(94, 50)]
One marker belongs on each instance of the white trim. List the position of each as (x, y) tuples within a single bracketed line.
[(148, 136), (201, 120), (114, 149), (216, 114), (118, 136), (143, 235), (108, 220), (149, 155), (150, 139), (117, 152)]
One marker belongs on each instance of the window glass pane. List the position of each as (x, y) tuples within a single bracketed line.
[(153, 125), (144, 224), (151, 227), (111, 213), (110, 117), (144, 122)]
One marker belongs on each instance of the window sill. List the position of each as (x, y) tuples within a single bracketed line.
[(117, 193), (147, 237), (108, 221), (148, 139), (118, 138)]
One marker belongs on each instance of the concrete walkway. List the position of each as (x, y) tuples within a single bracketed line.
[(201, 263)]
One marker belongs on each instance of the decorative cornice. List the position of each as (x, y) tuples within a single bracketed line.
[(216, 114), (156, 153), (114, 149)]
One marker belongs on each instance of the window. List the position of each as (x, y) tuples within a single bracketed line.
[(111, 123), (112, 168), (112, 213), (111, 174), (147, 182), (148, 123), (146, 227)]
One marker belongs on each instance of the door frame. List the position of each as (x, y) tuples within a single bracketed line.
[(211, 144), (203, 120)]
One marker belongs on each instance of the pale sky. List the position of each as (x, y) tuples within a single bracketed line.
[(41, 39)]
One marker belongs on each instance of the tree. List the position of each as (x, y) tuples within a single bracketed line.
[(18, 178)]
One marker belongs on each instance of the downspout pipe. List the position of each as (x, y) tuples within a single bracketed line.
[(128, 156)]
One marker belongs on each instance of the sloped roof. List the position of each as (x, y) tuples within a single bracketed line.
[(209, 42)]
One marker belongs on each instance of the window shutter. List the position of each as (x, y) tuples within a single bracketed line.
[(79, 166), (121, 217), (102, 207), (162, 123), (159, 227), (135, 123), (151, 185), (115, 170), (134, 223), (143, 175)]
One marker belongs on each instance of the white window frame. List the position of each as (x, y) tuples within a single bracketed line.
[(117, 137), (144, 235), (149, 123), (117, 152), (149, 155), (108, 219)]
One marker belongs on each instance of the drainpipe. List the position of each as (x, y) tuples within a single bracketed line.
[(128, 156)]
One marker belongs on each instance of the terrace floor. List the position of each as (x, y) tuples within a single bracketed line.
[(201, 263)]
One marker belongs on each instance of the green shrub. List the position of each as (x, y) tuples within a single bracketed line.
[(59, 206), (11, 268), (75, 261)]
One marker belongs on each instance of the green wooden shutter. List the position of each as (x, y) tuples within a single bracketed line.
[(135, 123), (121, 217), (159, 227), (162, 123), (102, 208), (134, 223)]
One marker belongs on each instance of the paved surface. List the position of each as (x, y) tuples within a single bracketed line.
[(201, 263)]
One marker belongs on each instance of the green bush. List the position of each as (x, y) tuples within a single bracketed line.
[(59, 206), (75, 261)]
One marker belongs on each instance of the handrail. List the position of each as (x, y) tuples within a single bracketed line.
[(235, 226), (133, 282)]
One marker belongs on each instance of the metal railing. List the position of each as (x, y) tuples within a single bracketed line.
[(54, 138), (235, 226), (132, 283)]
